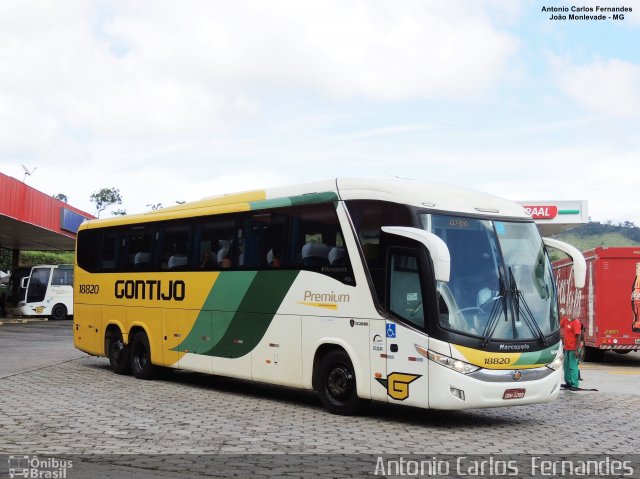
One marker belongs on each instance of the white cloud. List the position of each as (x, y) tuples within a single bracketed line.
[(610, 87), (149, 68)]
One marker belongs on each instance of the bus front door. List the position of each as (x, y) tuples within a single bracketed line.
[(407, 370)]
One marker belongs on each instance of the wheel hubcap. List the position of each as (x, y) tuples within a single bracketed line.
[(141, 357), (339, 382)]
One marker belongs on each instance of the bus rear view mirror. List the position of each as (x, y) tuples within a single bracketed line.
[(437, 248), (24, 282), (579, 264)]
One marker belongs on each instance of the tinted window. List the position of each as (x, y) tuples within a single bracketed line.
[(305, 237), (260, 240), (111, 248), (175, 246), (368, 218), (88, 245), (316, 243), (38, 285), (139, 248), (62, 277), (405, 293), (216, 243)]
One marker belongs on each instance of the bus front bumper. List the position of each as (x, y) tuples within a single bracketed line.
[(449, 389)]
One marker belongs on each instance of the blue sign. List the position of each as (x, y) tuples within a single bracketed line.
[(70, 220), (391, 330)]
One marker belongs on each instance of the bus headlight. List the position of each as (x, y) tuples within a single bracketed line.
[(557, 362), (455, 364)]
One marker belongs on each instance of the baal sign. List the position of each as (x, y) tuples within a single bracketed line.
[(542, 212)]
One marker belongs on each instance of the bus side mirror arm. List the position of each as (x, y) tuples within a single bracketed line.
[(579, 263), (437, 248)]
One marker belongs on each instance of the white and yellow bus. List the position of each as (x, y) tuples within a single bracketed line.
[(44, 290), (391, 290)]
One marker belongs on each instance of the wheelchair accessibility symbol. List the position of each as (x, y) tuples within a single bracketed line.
[(391, 330)]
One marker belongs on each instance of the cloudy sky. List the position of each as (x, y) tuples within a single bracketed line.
[(170, 100)]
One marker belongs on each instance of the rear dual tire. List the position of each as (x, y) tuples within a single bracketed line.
[(140, 357), (118, 354)]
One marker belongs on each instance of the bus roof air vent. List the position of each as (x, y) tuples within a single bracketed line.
[(487, 210)]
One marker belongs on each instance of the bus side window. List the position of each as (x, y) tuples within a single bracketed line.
[(176, 240), (368, 217), (140, 248), (215, 242), (315, 242), (405, 291), (89, 243), (111, 245), (62, 277), (263, 240)]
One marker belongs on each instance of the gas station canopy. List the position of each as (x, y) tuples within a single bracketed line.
[(32, 220), (554, 217)]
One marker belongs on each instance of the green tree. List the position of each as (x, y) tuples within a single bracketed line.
[(5, 259), (61, 197), (104, 198)]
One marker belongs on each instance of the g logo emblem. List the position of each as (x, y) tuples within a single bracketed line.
[(397, 384)]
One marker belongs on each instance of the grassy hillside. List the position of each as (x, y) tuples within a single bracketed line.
[(592, 235)]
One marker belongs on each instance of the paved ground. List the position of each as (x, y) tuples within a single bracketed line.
[(34, 344), (76, 405)]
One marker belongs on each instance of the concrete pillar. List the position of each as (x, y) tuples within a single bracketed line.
[(15, 258)]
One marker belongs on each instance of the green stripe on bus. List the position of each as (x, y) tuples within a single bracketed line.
[(237, 312), (229, 290), (311, 198), (537, 357), (222, 302), (255, 313)]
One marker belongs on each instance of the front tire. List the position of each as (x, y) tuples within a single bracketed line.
[(118, 354), (140, 357), (59, 312), (337, 384)]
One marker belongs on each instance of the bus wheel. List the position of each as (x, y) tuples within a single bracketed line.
[(337, 383), (140, 357), (59, 312), (118, 354)]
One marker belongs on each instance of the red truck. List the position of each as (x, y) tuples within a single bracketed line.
[(609, 305)]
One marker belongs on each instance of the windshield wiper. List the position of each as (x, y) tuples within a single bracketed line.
[(527, 315), (494, 316), (516, 299)]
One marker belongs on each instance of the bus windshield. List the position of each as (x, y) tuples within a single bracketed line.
[(501, 285)]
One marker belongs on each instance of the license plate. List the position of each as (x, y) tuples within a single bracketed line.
[(513, 394)]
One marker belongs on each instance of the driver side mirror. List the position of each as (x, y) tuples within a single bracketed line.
[(24, 282), (579, 263), (435, 246)]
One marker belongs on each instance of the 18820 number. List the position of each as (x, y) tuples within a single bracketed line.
[(89, 289)]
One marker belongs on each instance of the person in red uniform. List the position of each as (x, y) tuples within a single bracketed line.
[(571, 332)]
